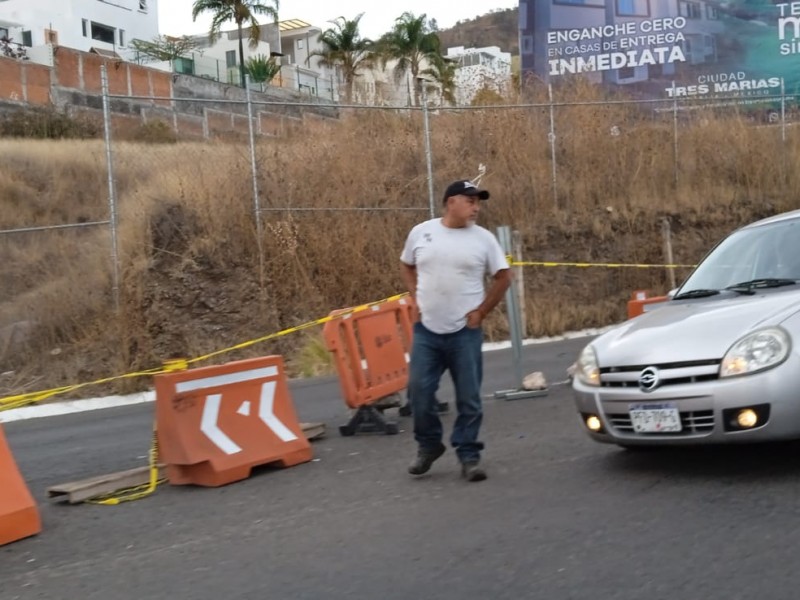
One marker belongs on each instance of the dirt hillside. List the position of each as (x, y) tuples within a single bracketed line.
[(339, 199)]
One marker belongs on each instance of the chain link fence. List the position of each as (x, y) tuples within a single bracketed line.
[(194, 207)]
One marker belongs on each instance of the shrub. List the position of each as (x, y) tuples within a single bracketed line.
[(155, 132), (47, 123), (262, 69)]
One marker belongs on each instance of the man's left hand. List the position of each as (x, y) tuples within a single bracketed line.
[(474, 319)]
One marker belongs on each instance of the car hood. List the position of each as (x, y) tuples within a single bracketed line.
[(691, 330)]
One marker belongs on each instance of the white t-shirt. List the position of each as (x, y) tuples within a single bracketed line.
[(452, 264)]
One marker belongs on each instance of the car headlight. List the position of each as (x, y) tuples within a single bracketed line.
[(756, 352), (586, 369)]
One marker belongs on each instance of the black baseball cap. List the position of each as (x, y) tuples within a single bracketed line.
[(464, 187)]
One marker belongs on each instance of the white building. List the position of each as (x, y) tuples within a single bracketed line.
[(378, 86), (290, 42), (480, 68), (220, 60), (299, 40), (107, 26)]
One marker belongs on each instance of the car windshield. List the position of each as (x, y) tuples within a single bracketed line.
[(764, 256)]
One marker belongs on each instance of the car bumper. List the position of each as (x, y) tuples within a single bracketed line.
[(703, 408)]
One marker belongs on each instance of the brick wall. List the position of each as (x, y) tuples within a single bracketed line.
[(38, 83), (22, 81), (74, 83), (81, 71), (69, 69)]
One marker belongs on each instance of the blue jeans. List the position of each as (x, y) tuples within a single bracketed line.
[(431, 355)]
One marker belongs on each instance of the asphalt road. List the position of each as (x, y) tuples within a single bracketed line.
[(560, 517)]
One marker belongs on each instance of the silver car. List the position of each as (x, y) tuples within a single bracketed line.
[(716, 363)]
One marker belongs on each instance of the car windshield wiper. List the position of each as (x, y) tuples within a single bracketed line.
[(695, 294), (747, 287)]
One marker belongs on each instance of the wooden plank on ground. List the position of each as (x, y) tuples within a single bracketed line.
[(80, 491), (313, 431), (75, 492)]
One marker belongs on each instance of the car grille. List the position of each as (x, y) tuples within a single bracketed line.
[(695, 421), (668, 373)]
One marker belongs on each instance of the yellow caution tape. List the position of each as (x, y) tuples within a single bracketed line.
[(175, 364), (141, 491), (515, 263), (137, 492), (20, 400)]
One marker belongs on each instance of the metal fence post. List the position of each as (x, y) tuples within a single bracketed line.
[(254, 170), (519, 278), (675, 134), (783, 127), (666, 232), (515, 328), (428, 153), (552, 138), (112, 201)]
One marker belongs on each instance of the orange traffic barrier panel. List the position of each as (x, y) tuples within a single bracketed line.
[(640, 299), (215, 424), (19, 516), (370, 350)]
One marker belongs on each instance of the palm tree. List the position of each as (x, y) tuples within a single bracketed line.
[(343, 47), (262, 68), (443, 73), (412, 43), (241, 12)]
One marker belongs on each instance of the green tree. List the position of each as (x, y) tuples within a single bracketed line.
[(442, 72), (165, 47), (240, 12), (262, 68), (412, 44), (345, 49), (487, 96)]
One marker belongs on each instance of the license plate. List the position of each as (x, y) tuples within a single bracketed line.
[(655, 418)]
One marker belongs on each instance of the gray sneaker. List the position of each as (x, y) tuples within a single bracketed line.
[(471, 471), (425, 459)]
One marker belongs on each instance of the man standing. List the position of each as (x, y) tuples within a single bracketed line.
[(443, 264)]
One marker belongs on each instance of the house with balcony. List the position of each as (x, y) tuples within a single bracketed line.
[(289, 43), (299, 69), (219, 60), (102, 26), (479, 68)]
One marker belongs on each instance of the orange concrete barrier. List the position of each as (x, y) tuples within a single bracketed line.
[(641, 298), (216, 423), (19, 516), (370, 350)]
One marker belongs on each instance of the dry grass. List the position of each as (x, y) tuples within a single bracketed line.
[(193, 280)]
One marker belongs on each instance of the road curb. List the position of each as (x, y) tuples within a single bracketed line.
[(67, 407)]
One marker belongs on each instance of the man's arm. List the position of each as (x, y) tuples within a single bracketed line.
[(500, 283), (409, 275)]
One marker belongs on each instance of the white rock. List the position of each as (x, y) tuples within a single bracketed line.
[(571, 370), (534, 381)]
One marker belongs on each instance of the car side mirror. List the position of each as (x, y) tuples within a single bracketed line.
[(672, 293)]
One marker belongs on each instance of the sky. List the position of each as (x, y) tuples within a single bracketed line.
[(175, 16)]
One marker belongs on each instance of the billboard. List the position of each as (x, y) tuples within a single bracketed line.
[(666, 48)]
